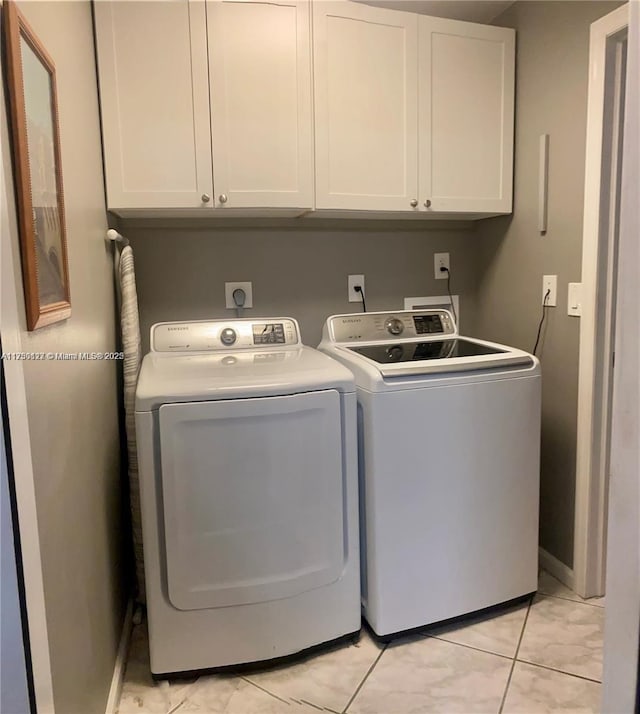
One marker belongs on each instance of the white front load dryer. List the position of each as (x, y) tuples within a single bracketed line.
[(249, 495)]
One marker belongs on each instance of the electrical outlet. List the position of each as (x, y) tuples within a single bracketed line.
[(550, 282), (352, 281), (228, 293), (441, 260)]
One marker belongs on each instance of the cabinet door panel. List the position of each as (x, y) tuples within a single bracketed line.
[(365, 81), (466, 79), (155, 114), (260, 64)]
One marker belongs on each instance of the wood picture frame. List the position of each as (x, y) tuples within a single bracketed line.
[(35, 135)]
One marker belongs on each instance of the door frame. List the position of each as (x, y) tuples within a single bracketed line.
[(598, 302), (622, 613)]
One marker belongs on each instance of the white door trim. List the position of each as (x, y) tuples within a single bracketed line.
[(598, 304), (11, 325), (622, 612)]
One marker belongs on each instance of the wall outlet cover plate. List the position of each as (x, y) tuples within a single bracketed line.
[(550, 283), (228, 293), (352, 281), (441, 260)]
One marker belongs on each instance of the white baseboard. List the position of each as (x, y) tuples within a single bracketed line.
[(121, 661), (557, 568)]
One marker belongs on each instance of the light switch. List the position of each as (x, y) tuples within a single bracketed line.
[(574, 300)]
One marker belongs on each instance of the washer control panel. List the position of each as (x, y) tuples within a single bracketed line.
[(215, 335), (429, 324), (385, 326)]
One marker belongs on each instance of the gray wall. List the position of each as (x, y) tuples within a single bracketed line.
[(72, 405), (551, 97), (300, 268), (297, 269)]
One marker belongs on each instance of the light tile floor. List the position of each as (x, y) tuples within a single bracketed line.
[(540, 657)]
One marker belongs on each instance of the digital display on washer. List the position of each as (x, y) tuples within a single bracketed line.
[(271, 333), (427, 324), (413, 351)]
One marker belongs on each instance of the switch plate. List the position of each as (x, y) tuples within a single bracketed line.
[(352, 281), (550, 282), (574, 300), (228, 293), (441, 260)]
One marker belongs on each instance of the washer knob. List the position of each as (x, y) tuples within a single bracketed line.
[(394, 326), (228, 336)]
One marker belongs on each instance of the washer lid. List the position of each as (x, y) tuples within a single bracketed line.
[(399, 359), (195, 377), (398, 352), (389, 351)]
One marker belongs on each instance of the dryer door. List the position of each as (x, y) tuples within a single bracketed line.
[(252, 492)]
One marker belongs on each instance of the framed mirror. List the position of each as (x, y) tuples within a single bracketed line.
[(31, 80)]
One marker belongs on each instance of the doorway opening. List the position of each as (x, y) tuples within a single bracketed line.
[(605, 120)]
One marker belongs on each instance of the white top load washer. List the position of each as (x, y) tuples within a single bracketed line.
[(449, 434), (248, 483)]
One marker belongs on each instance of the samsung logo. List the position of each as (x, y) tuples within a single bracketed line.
[(351, 319), (176, 329)]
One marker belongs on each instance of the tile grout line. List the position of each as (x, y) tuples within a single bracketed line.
[(560, 671), (469, 647), (176, 707), (187, 692), (568, 599), (262, 689), (515, 657), (364, 679)]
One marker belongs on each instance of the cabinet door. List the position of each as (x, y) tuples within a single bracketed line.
[(466, 95), (152, 60), (365, 84), (260, 69)]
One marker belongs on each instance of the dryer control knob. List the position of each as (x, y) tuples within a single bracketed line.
[(394, 326), (228, 336)]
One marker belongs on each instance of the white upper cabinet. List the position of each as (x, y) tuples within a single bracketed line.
[(285, 106), (260, 84), (365, 85), (152, 59), (466, 99)]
